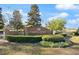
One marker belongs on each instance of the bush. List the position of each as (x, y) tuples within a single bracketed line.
[(64, 34), (45, 43), (24, 39), (66, 44), (77, 32), (53, 38), (55, 45)]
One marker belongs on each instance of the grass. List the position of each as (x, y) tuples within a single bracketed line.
[(14, 49), (59, 51), (34, 49), (75, 46)]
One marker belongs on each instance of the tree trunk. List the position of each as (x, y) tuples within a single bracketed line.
[(54, 32)]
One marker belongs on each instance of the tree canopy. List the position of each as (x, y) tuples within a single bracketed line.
[(1, 19), (34, 16), (16, 20), (56, 24)]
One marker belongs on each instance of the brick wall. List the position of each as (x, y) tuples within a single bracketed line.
[(29, 31), (37, 30)]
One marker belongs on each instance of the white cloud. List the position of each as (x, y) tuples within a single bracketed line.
[(59, 15), (20, 10), (22, 13), (66, 6), (73, 21), (43, 24), (63, 14), (40, 13), (77, 15), (7, 13), (24, 16)]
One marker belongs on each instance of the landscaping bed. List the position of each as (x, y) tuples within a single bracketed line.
[(54, 41)]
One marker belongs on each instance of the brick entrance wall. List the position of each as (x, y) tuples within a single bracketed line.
[(37, 30), (30, 31)]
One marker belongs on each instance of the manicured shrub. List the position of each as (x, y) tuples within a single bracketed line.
[(24, 39), (66, 44), (62, 44), (64, 34), (45, 43), (68, 34), (53, 38), (54, 45)]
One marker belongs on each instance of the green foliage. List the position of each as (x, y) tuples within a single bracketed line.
[(34, 16), (24, 39), (56, 24), (16, 25), (45, 43), (53, 38), (1, 25), (64, 34), (55, 45), (1, 19)]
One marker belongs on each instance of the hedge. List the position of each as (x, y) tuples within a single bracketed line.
[(54, 38), (24, 39), (55, 45), (45, 43), (35, 39)]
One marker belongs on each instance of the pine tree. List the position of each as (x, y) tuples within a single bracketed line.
[(1, 19), (34, 16), (16, 20)]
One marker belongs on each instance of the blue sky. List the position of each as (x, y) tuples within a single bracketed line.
[(70, 12)]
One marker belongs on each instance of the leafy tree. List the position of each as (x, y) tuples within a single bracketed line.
[(56, 24), (16, 20), (34, 16), (1, 19)]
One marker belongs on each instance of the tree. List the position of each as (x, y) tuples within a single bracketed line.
[(34, 16), (56, 24), (1, 19), (16, 20)]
